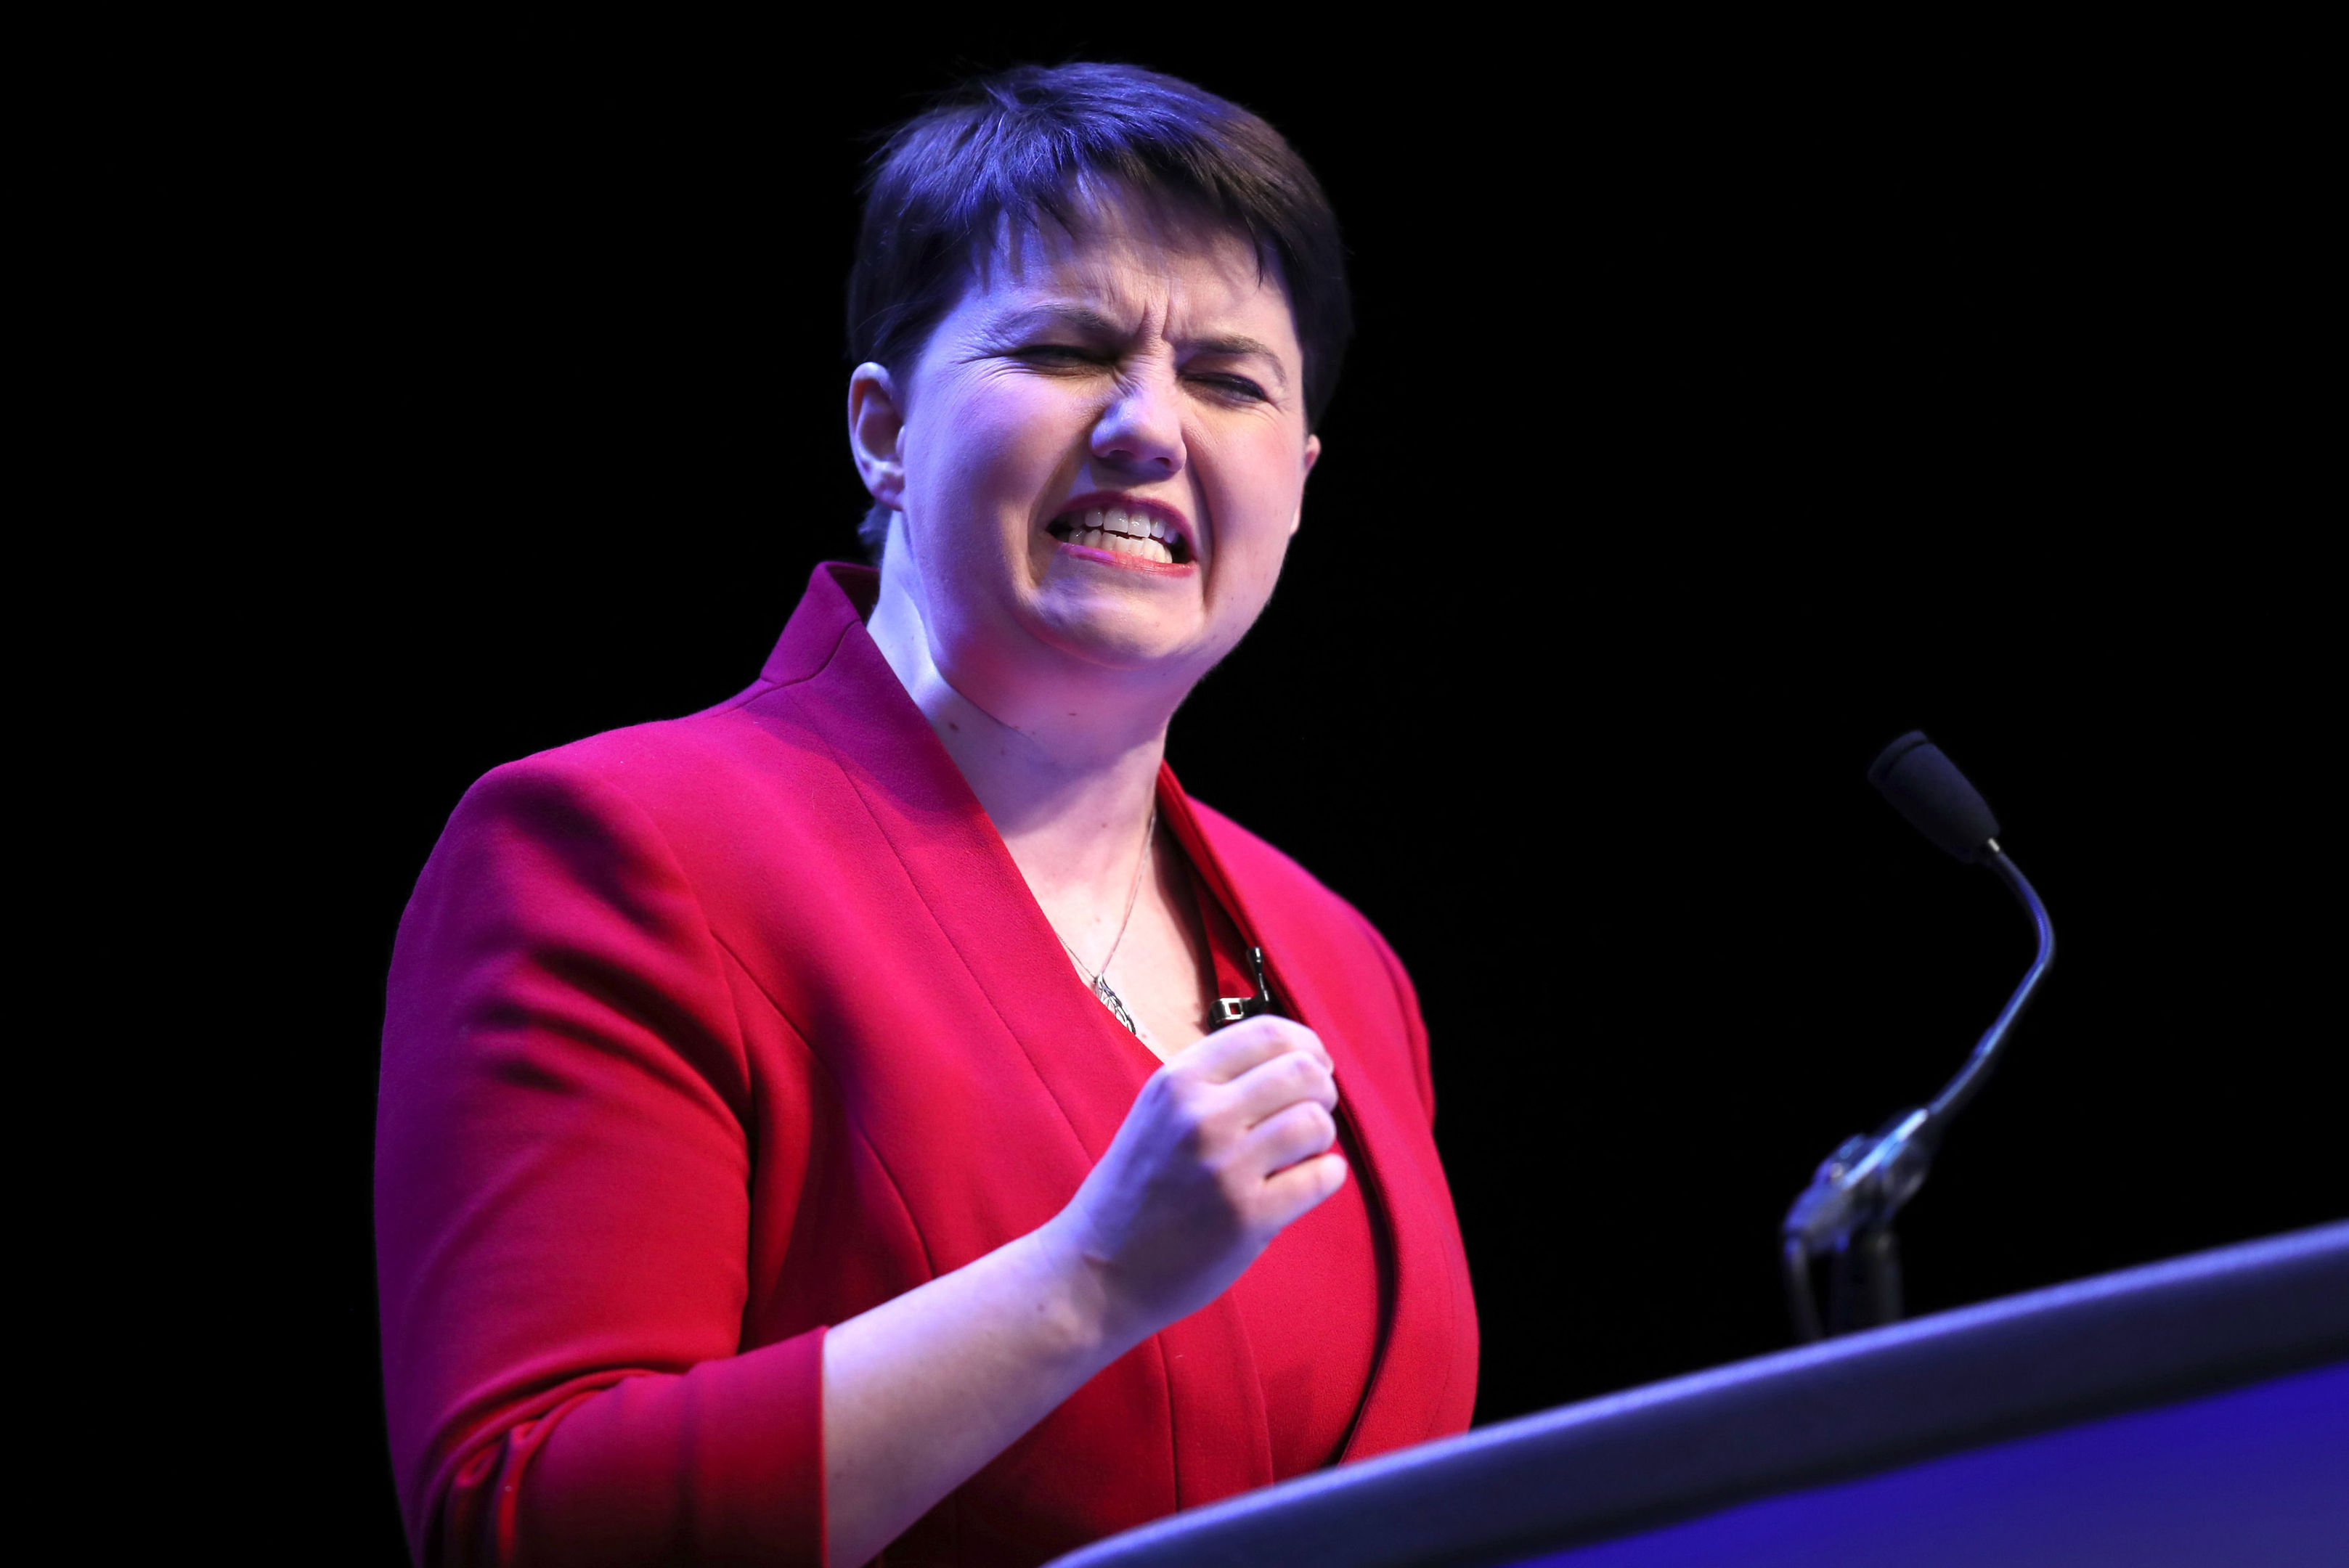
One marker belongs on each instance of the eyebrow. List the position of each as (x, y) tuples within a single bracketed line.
[(1096, 324), (1240, 348)]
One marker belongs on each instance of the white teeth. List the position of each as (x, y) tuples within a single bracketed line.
[(1126, 532), (1121, 544), (1141, 549)]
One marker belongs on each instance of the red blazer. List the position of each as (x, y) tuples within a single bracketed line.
[(703, 1035)]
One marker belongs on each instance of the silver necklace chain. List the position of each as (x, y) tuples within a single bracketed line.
[(1099, 979)]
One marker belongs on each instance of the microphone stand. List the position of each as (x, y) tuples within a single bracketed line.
[(1847, 1212)]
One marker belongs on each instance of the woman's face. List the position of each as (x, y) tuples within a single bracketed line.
[(1098, 456)]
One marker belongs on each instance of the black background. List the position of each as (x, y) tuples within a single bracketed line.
[(1721, 408)]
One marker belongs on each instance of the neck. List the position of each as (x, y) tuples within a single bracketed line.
[(1066, 765)]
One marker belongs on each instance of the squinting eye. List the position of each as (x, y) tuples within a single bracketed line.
[(1239, 386)]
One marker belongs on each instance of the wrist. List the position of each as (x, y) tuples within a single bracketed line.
[(1088, 1310)]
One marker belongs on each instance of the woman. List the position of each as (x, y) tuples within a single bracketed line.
[(884, 1111)]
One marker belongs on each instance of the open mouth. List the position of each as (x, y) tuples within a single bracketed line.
[(1123, 530)]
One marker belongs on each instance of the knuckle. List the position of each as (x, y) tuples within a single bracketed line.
[(1313, 1081), (1165, 1087), (1314, 1126), (1210, 1129), (1303, 1123)]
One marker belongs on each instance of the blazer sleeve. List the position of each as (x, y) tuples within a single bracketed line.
[(561, 1207)]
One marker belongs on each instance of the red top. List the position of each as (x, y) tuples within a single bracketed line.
[(703, 1035)]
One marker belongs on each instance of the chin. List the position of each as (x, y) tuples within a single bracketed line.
[(1119, 636)]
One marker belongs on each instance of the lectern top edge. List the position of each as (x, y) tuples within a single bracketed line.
[(1848, 1406)]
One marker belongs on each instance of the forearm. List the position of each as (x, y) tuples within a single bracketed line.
[(922, 1390), (1224, 1146)]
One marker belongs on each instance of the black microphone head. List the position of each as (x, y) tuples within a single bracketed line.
[(1927, 787)]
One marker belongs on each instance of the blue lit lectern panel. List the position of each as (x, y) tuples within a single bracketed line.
[(2256, 1478)]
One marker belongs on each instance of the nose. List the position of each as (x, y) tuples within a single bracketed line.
[(1141, 431)]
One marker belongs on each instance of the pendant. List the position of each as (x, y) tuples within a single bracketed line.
[(1109, 999)]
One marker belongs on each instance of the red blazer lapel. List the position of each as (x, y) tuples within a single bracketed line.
[(960, 871), (1403, 1177)]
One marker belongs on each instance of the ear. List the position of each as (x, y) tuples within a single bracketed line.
[(876, 425), (1312, 456)]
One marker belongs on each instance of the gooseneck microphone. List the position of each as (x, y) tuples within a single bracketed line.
[(1845, 1215)]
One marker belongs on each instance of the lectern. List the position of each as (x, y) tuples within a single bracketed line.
[(2191, 1412)]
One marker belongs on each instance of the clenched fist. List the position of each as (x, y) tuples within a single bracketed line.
[(1226, 1144)]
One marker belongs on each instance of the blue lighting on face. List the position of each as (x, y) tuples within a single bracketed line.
[(2258, 1476)]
